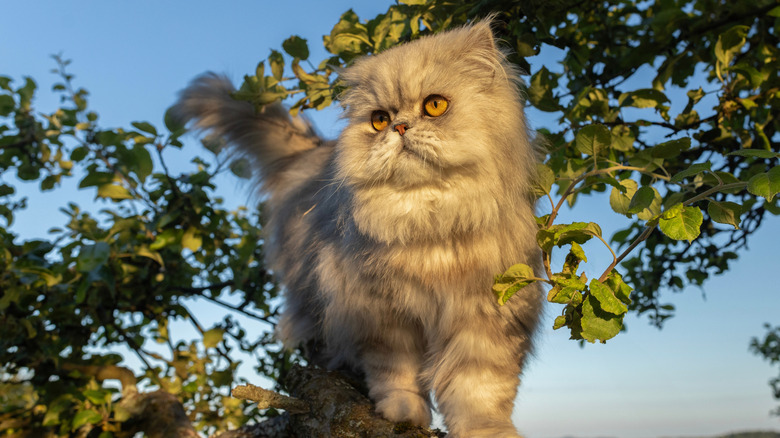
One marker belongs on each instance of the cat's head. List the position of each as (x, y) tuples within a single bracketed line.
[(442, 106)]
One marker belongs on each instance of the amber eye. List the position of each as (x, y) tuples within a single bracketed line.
[(380, 120), (435, 105)]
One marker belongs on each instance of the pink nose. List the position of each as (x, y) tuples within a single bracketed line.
[(401, 128)]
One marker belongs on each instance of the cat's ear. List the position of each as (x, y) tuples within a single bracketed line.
[(480, 49), (480, 36)]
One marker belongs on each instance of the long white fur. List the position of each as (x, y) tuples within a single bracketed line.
[(388, 244)]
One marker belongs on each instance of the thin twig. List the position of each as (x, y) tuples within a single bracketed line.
[(642, 237), (237, 309)]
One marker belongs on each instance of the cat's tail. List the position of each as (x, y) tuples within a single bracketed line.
[(271, 139)]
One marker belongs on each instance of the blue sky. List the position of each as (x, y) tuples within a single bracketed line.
[(692, 378)]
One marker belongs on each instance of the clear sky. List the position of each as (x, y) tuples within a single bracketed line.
[(694, 377)]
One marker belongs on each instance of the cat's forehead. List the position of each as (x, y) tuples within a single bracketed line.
[(405, 74), (408, 75), (441, 64)]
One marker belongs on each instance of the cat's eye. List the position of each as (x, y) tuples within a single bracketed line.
[(435, 105), (380, 120)]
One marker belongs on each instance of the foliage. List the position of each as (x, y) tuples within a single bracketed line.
[(122, 278), (669, 105)]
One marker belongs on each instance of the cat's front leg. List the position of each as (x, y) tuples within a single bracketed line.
[(476, 374), (363, 332), (392, 361)]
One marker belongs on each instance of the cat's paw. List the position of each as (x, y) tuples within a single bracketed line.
[(400, 406)]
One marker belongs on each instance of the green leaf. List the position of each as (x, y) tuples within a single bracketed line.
[(86, 417), (164, 239), (725, 212), (143, 162), (766, 185), (306, 77), (154, 255), (296, 47), (97, 396), (644, 159), (540, 92), (620, 200), (729, 43), (347, 37), (386, 29), (694, 96), (592, 139), (695, 169), (623, 138), (682, 223), (173, 124), (621, 290), (145, 127), (93, 256), (579, 232), (96, 179), (79, 153), (606, 297), (560, 321), (113, 191), (53, 411), (563, 234), (755, 153), (46, 275), (645, 202), (641, 200), (241, 168), (276, 60), (598, 325), (213, 337), (259, 70), (191, 240), (213, 143), (644, 98), (7, 105), (515, 278), (6, 190), (578, 252), (671, 149), (545, 178), (566, 289)]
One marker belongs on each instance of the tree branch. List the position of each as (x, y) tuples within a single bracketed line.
[(269, 399)]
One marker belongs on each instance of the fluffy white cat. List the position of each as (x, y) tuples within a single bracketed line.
[(388, 239)]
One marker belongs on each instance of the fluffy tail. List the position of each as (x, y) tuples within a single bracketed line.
[(269, 139)]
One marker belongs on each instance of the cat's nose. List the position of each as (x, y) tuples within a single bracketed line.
[(401, 127)]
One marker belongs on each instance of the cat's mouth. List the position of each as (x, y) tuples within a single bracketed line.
[(406, 148), (409, 151)]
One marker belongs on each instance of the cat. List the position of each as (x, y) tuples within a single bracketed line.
[(388, 239)]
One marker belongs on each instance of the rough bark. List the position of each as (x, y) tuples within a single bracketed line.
[(337, 410)]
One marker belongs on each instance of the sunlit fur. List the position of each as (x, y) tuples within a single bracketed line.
[(387, 243)]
